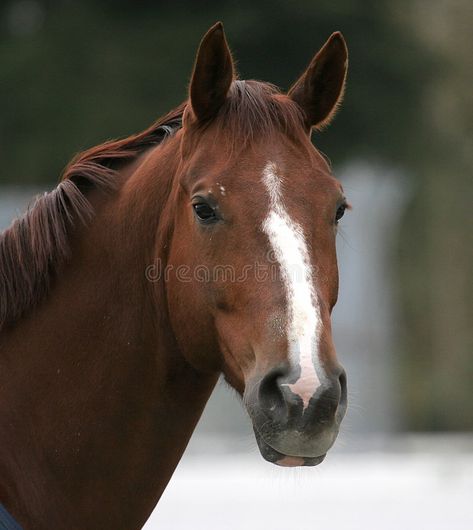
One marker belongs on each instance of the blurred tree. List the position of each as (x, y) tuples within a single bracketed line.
[(436, 245)]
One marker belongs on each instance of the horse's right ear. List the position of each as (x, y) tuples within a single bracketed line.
[(213, 74)]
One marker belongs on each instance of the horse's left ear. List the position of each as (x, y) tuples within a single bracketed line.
[(320, 88), (213, 74)]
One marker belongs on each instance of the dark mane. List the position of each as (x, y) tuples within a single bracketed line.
[(35, 245)]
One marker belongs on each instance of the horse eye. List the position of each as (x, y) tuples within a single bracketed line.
[(204, 212), (340, 212)]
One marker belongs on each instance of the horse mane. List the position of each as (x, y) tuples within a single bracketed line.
[(36, 244), (255, 110)]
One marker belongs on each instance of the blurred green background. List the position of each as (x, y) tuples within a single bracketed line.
[(76, 73)]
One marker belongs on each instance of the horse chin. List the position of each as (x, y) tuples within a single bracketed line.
[(280, 459)]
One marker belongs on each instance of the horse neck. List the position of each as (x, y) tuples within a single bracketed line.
[(95, 373)]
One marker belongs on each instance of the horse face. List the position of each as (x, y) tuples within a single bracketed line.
[(255, 229)]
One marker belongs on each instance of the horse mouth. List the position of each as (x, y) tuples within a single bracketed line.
[(280, 459)]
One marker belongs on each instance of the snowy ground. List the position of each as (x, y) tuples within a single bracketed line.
[(411, 484)]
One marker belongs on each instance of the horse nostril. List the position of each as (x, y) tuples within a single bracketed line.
[(342, 379), (270, 394)]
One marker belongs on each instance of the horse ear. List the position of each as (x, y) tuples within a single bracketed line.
[(319, 90), (213, 74)]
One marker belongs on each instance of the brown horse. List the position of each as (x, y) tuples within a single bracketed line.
[(203, 245)]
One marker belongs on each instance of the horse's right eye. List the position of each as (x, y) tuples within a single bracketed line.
[(204, 212), (340, 212)]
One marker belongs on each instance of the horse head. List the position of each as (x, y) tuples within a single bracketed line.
[(254, 212)]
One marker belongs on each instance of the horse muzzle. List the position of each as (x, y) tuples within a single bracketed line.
[(289, 431)]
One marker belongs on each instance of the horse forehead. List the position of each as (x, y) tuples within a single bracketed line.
[(300, 186), (246, 175), (303, 174)]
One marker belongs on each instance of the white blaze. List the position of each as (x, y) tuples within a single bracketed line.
[(304, 323)]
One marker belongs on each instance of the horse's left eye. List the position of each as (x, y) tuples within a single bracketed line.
[(204, 212), (340, 212)]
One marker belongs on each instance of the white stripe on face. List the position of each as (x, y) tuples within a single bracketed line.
[(304, 323)]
